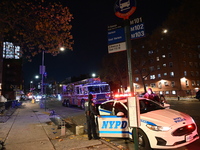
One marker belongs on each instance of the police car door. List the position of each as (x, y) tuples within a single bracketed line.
[(111, 123)]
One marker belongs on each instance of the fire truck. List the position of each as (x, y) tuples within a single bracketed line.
[(77, 93)]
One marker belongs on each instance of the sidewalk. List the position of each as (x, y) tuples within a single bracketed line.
[(30, 128)]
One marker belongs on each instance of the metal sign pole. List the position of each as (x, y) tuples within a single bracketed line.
[(128, 46)]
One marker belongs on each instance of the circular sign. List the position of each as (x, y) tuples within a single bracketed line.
[(125, 8)]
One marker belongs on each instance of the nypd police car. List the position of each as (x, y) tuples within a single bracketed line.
[(160, 127)]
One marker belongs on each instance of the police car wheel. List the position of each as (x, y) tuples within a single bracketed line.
[(143, 142), (64, 103), (67, 103)]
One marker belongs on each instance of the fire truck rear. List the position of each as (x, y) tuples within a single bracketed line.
[(77, 93)]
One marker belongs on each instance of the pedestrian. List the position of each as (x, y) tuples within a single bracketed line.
[(152, 96), (91, 112), (162, 99)]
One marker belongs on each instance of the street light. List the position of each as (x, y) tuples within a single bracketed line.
[(42, 72), (62, 48), (93, 75), (165, 30)]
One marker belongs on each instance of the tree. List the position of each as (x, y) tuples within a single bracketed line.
[(183, 24), (36, 26), (114, 70), (141, 60)]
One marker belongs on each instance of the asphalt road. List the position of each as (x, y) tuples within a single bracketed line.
[(76, 115)]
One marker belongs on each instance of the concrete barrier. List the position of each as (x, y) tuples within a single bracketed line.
[(80, 130)]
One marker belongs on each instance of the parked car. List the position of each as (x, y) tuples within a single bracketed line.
[(160, 127)]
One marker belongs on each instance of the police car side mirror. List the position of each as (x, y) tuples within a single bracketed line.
[(120, 114)]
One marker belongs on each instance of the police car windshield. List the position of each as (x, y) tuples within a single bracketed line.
[(147, 106), (98, 89)]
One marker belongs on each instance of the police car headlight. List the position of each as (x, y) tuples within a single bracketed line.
[(158, 128)]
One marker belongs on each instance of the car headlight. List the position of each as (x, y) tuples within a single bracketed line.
[(158, 128)]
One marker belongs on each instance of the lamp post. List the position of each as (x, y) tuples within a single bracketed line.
[(42, 71), (31, 85)]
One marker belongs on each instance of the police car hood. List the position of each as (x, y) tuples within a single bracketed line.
[(165, 117)]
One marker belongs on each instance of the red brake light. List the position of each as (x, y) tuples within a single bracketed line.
[(190, 126)]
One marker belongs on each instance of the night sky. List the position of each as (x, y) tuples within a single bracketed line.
[(91, 19)]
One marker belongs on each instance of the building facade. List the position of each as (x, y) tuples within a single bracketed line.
[(171, 71), (12, 79)]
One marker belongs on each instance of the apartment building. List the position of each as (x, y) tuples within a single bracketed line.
[(172, 71), (12, 77)]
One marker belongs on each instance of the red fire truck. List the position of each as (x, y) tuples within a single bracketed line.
[(77, 93)]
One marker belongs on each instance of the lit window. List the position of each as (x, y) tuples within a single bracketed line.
[(198, 82), (153, 85), (172, 83), (166, 83), (137, 86), (193, 83), (159, 75), (136, 79), (185, 73), (164, 65), (165, 74), (174, 92), (150, 52), (166, 92), (157, 59), (145, 78), (186, 83), (160, 85), (172, 74), (158, 67), (10, 51), (163, 56), (152, 77)]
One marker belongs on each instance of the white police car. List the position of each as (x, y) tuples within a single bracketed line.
[(160, 128)]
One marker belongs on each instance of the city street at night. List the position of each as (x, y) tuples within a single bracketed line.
[(78, 117)]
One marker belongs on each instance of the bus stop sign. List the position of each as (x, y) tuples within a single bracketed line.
[(125, 8)]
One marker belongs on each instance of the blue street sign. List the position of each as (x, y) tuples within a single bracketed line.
[(137, 31), (116, 36)]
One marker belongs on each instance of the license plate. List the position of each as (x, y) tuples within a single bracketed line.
[(188, 137)]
